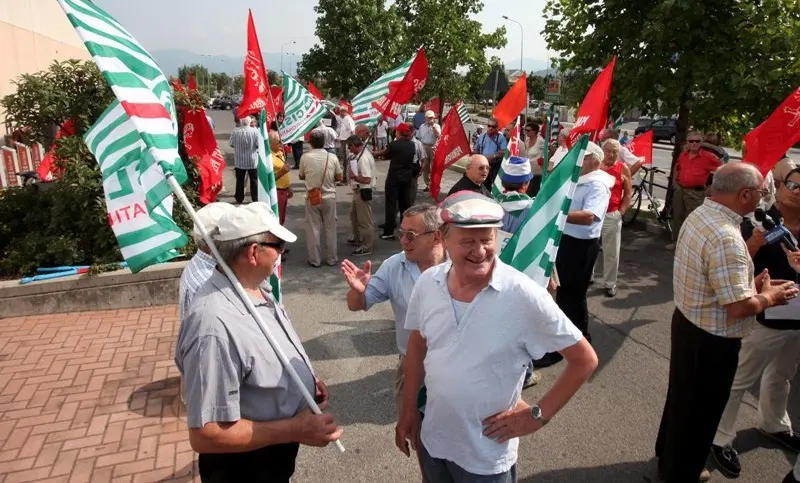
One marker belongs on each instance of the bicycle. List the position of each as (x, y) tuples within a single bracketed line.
[(664, 217)]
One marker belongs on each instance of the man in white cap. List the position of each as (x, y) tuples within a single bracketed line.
[(475, 324), (201, 266), (428, 134), (246, 416)]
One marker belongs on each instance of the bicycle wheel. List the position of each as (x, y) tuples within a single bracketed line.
[(633, 210)]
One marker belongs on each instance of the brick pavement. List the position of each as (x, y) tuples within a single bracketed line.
[(92, 396)]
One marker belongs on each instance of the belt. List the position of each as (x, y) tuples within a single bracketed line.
[(694, 188)]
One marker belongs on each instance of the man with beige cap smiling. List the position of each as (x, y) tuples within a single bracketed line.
[(246, 416)]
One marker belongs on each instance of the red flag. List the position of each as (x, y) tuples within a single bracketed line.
[(176, 84), (400, 92), (192, 83), (277, 97), (312, 89), (452, 146), (256, 83), (642, 145), (765, 145), (201, 146), (593, 113), (48, 169), (434, 105), (346, 104), (512, 103)]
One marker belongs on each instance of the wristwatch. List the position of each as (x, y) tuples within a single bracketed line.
[(537, 414)]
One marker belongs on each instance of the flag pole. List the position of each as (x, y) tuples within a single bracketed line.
[(178, 191)]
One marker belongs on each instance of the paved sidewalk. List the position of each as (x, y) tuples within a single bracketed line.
[(92, 397)]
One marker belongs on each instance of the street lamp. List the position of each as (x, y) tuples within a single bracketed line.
[(291, 56), (284, 45)]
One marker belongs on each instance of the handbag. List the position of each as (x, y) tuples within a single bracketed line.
[(366, 194), (314, 195)]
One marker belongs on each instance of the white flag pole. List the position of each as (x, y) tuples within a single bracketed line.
[(178, 191)]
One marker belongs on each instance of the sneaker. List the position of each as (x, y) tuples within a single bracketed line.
[(611, 292), (315, 265), (333, 263), (790, 439), (353, 241), (388, 237), (531, 380), (361, 251), (727, 460)]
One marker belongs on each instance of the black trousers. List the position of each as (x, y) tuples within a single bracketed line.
[(240, 174), (494, 168), (297, 152), (701, 371), (270, 464), (575, 262), (534, 185), (398, 197)]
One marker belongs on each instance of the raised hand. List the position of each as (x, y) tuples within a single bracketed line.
[(357, 278)]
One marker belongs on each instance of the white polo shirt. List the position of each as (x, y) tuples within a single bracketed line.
[(474, 368)]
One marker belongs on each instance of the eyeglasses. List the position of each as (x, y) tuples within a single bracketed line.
[(277, 246), (483, 168), (411, 235), (761, 191), (792, 185)]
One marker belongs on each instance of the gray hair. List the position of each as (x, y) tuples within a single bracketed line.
[(199, 241), (230, 249), (245, 121), (731, 180), (429, 213), (612, 142), (317, 139), (355, 140)]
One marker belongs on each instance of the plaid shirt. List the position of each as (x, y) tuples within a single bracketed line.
[(195, 275), (713, 269)]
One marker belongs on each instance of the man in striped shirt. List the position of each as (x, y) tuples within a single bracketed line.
[(244, 141)]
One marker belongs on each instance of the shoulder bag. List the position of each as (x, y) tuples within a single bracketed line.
[(315, 194)]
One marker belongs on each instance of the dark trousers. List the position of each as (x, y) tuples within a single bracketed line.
[(271, 464), (575, 262), (494, 168), (398, 197), (534, 185), (297, 152), (240, 174), (701, 371)]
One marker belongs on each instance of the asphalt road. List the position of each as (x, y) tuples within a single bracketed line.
[(605, 434)]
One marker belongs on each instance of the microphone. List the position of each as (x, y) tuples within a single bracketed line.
[(775, 231)]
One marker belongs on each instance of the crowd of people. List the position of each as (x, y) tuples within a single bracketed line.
[(458, 379)]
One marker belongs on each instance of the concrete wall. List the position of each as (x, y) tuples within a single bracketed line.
[(33, 33)]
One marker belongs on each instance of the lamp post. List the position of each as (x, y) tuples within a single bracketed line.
[(291, 56), (284, 45), (521, 47)]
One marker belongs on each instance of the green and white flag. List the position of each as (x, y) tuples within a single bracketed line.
[(303, 111), (463, 114), (533, 248), (363, 112), (267, 190), (144, 238)]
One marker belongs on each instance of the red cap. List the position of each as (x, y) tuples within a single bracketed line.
[(403, 128)]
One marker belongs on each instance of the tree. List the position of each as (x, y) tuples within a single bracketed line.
[(359, 41), (221, 81), (452, 41), (477, 75), (201, 76), (537, 86), (722, 64), (238, 84)]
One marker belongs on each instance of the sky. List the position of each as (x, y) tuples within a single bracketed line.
[(219, 27)]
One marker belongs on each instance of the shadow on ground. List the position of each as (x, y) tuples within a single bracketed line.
[(632, 472), (363, 338)]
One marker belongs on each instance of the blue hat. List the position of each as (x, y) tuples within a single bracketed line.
[(468, 209), (516, 169)]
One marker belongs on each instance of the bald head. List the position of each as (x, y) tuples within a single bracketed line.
[(477, 168), (362, 131), (274, 140), (738, 186)]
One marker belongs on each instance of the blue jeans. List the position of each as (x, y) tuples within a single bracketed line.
[(443, 471)]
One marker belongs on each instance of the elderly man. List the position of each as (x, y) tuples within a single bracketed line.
[(345, 127), (320, 171), (474, 177), (491, 144), (363, 183), (611, 234), (472, 371), (244, 141), (716, 300), (692, 170), (283, 181), (246, 416), (771, 351), (330, 138), (400, 185), (428, 134)]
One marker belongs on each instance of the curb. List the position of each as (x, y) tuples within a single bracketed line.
[(120, 289)]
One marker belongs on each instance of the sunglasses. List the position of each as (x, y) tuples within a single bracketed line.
[(412, 235), (277, 246), (694, 141), (494, 126), (792, 185)]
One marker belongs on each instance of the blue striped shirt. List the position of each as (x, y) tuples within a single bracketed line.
[(197, 272), (244, 141)]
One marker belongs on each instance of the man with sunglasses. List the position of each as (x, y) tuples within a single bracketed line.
[(246, 416), (492, 144), (474, 176), (692, 170)]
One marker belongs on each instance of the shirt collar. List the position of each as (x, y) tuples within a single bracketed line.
[(205, 258), (727, 212)]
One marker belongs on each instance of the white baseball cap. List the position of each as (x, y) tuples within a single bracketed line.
[(249, 220), (595, 150), (210, 215), (430, 114)]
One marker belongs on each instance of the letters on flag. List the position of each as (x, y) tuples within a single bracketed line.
[(399, 93), (452, 146), (765, 145), (256, 83), (362, 109)]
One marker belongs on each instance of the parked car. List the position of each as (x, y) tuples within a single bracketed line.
[(223, 103), (663, 129)]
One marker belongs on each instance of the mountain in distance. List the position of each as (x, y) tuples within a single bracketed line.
[(171, 60)]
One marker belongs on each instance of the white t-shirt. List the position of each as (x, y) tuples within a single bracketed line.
[(557, 156), (381, 129), (474, 368), (366, 167), (534, 153), (345, 127)]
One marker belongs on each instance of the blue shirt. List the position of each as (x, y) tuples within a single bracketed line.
[(593, 196), (195, 275), (418, 120), (394, 281), (489, 145)]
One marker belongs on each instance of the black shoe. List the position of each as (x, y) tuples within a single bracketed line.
[(727, 460), (548, 360), (382, 226), (789, 439), (790, 478), (353, 241), (315, 265), (361, 251), (388, 237), (611, 292)]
